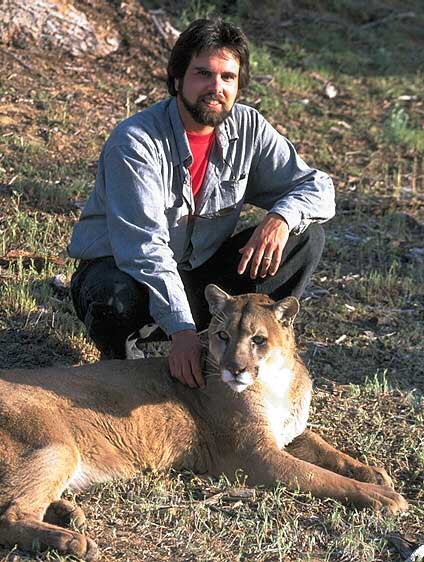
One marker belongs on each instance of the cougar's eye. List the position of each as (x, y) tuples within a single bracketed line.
[(259, 340), (223, 336)]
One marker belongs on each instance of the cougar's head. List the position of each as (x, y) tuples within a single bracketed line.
[(250, 336)]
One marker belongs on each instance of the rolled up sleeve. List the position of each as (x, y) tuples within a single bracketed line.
[(281, 182)]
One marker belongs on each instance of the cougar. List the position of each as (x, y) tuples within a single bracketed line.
[(68, 428)]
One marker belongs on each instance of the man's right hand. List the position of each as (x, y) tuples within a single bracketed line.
[(185, 358)]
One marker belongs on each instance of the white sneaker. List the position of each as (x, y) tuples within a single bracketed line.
[(139, 345), (132, 351)]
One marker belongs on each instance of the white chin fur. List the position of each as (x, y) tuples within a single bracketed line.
[(237, 387), (238, 384)]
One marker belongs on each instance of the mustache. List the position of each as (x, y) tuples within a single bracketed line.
[(213, 97)]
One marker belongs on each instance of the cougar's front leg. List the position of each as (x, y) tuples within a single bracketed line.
[(312, 448), (28, 487), (268, 464)]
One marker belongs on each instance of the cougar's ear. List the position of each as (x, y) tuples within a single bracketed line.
[(286, 310), (216, 298)]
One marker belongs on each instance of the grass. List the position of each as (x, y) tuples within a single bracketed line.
[(263, 62), (400, 130), (32, 230), (360, 328)]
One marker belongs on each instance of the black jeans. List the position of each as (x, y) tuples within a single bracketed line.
[(113, 305)]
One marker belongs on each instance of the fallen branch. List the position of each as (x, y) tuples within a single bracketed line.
[(166, 30), (382, 21)]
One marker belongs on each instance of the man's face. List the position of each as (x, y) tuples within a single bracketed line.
[(208, 90)]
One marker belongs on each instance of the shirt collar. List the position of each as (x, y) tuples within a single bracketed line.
[(180, 137), (226, 132)]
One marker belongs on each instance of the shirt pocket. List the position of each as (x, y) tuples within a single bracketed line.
[(231, 193)]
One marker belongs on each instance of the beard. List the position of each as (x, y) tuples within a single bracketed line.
[(202, 114)]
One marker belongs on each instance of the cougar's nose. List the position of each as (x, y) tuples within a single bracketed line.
[(236, 369)]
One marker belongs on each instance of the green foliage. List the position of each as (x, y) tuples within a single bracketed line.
[(285, 68), (34, 231), (400, 129), (196, 9)]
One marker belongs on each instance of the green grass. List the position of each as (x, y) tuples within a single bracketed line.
[(289, 74), (32, 230), (400, 130)]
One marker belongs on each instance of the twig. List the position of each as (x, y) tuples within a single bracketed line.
[(382, 21), (167, 32), (159, 27)]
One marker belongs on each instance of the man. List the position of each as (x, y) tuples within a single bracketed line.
[(170, 186)]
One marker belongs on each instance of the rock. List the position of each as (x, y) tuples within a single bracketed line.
[(55, 24)]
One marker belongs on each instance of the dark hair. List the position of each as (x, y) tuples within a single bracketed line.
[(208, 35)]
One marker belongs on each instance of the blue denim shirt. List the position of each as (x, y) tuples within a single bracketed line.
[(142, 210)]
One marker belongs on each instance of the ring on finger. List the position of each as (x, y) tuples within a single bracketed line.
[(267, 258)]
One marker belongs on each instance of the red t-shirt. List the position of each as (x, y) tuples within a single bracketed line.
[(200, 146)]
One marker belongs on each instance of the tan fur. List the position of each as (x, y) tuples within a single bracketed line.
[(70, 428)]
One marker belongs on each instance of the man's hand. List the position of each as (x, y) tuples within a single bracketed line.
[(185, 358), (264, 248)]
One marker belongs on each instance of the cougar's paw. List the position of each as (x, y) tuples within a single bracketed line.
[(382, 498), (82, 547), (65, 514), (92, 550), (373, 475), (394, 503), (381, 477)]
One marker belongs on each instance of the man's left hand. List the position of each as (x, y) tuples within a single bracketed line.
[(264, 248)]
